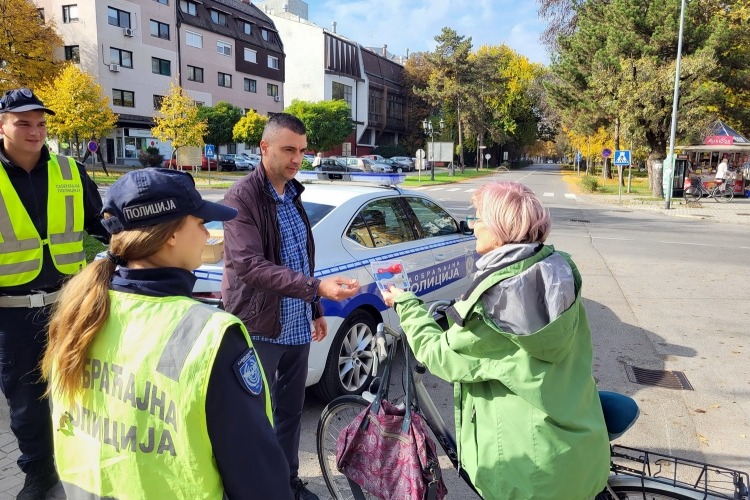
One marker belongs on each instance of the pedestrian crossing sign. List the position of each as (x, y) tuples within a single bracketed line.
[(622, 157)]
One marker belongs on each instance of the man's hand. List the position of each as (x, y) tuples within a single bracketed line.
[(338, 288), (320, 329)]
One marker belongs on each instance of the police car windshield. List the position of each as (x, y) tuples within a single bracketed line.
[(315, 212)]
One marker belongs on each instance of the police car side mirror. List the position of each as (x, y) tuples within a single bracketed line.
[(464, 227)]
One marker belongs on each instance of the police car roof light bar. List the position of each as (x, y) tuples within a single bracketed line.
[(389, 180)]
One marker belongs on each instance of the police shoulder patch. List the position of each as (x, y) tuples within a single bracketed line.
[(247, 369)]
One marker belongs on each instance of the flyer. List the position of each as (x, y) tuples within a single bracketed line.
[(390, 272)]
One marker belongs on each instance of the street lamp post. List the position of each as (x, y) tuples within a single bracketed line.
[(669, 171), (429, 130)]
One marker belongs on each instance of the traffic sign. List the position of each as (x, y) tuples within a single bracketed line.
[(606, 152), (92, 146), (622, 157), (209, 151), (579, 156), (420, 153), (487, 156)]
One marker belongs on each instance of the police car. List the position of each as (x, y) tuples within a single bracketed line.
[(355, 224)]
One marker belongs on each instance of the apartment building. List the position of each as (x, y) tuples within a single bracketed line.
[(217, 50), (324, 65)]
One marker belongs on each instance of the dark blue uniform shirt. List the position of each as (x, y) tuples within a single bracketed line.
[(250, 460)]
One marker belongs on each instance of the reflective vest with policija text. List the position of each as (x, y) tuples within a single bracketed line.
[(137, 429), (21, 247)]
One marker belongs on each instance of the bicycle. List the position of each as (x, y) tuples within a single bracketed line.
[(634, 473), (697, 190)]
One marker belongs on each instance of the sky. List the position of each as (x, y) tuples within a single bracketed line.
[(413, 24)]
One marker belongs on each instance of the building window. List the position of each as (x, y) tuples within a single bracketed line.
[(273, 62), (70, 13), (341, 92), (219, 18), (225, 80), (163, 2), (158, 99), (72, 53), (251, 56), (117, 17), (161, 66), (272, 90), (188, 7), (41, 14), (122, 57), (223, 48), (265, 34), (195, 74), (159, 29), (247, 28), (251, 85), (124, 98), (194, 39)]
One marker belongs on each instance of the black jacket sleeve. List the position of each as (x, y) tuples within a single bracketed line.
[(250, 460), (92, 206)]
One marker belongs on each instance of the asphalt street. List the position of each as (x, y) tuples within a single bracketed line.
[(661, 293)]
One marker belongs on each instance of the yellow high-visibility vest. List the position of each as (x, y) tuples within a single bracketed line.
[(21, 246), (137, 428)]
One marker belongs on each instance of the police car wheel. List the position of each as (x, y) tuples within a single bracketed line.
[(348, 369)]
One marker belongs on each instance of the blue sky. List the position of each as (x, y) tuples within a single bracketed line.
[(413, 24)]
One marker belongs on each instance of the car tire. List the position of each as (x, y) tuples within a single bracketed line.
[(399, 170), (348, 368)]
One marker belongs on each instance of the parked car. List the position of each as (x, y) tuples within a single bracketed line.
[(363, 164), (227, 163), (386, 166), (205, 164), (406, 161), (373, 157), (246, 161), (396, 166), (354, 225), (335, 168), (309, 157)]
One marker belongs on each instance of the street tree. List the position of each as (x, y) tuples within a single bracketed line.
[(447, 86), (177, 120), (418, 108), (328, 123), (81, 108), (250, 128), (221, 119), (27, 45)]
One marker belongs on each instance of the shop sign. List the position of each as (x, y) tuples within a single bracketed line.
[(719, 140)]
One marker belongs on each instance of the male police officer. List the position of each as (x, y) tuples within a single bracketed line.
[(46, 202)]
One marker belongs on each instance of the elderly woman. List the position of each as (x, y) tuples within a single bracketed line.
[(529, 423)]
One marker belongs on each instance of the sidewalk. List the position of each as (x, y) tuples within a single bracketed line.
[(736, 211)]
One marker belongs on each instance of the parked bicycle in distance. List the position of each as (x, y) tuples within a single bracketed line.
[(697, 190), (634, 473)]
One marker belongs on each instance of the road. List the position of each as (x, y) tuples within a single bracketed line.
[(661, 293)]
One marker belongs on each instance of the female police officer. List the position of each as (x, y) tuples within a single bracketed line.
[(156, 395)]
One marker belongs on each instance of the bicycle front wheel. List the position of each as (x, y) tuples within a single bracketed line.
[(634, 488), (724, 196), (692, 194), (338, 414)]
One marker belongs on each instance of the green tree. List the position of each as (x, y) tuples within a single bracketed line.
[(177, 120), (250, 128), (446, 86), (27, 46), (328, 123), (81, 109), (221, 120), (417, 71)]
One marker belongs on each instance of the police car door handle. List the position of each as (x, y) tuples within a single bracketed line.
[(439, 256)]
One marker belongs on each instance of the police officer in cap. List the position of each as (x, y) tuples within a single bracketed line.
[(156, 395), (47, 201)]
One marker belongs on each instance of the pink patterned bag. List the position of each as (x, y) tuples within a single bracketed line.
[(387, 451)]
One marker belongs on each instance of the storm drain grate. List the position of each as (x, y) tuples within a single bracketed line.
[(579, 220), (659, 378)]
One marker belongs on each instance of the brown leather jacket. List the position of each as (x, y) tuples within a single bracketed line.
[(254, 278)]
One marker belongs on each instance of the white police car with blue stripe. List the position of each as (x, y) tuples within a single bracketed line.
[(354, 224)]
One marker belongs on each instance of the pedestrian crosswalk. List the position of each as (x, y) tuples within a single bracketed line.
[(432, 189)]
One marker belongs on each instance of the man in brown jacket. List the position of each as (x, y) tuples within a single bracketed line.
[(269, 262)]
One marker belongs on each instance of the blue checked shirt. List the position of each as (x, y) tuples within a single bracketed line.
[(296, 314)]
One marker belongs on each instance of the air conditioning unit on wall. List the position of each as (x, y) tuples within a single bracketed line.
[(277, 98), (114, 67), (128, 31)]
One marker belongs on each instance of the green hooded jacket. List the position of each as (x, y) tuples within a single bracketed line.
[(529, 422)]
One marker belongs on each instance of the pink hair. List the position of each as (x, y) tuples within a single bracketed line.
[(512, 212)]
